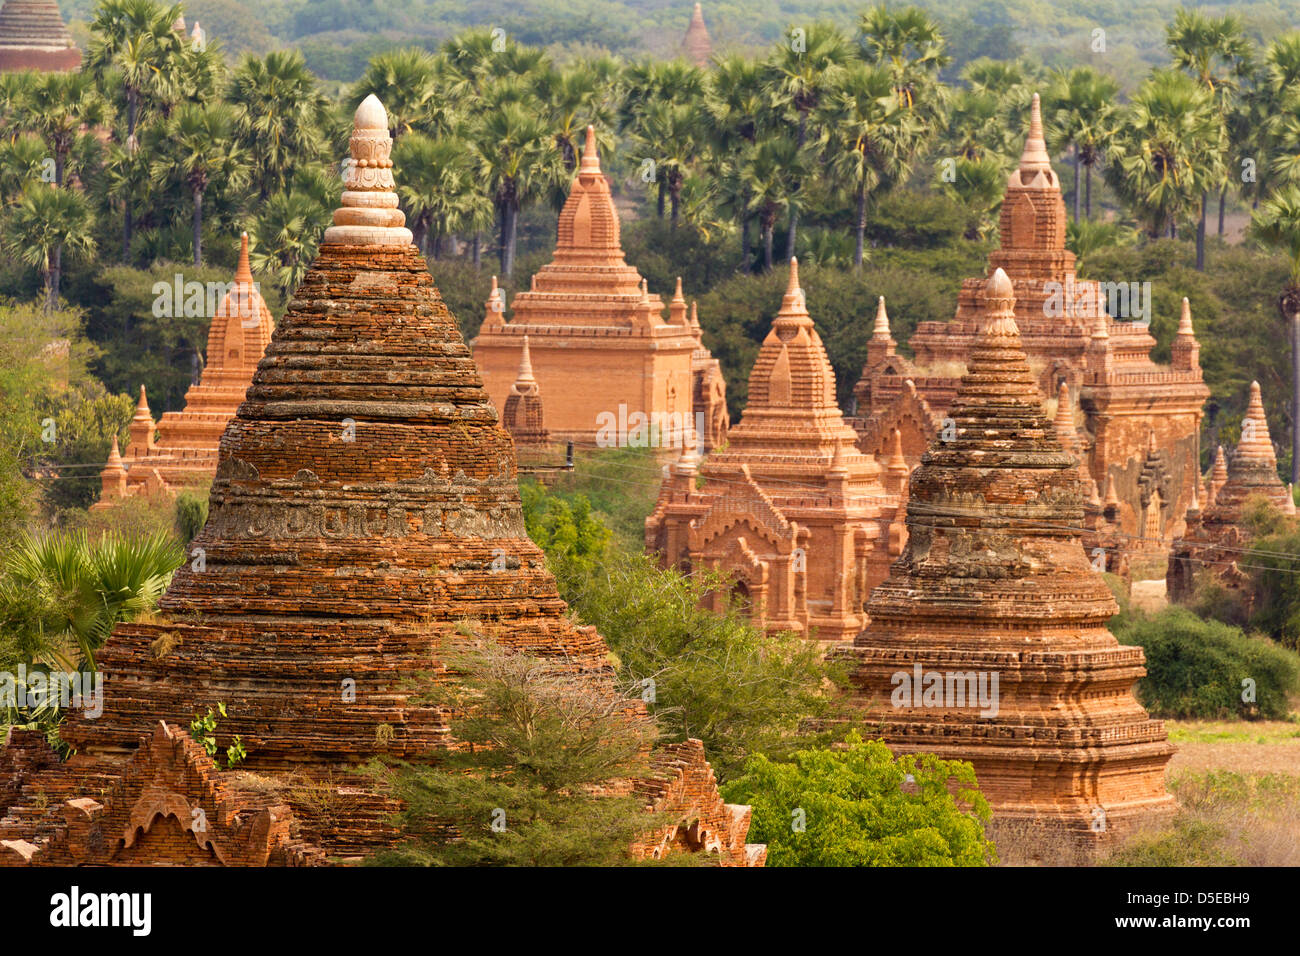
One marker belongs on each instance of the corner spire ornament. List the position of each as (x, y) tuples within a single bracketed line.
[(369, 215)]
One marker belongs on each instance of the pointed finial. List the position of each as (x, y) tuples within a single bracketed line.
[(590, 157), (143, 404), (677, 293), (794, 275), (897, 469), (1099, 330), (1185, 320), (1255, 444), (999, 305), (1064, 423), (695, 319), (525, 376), (881, 328), (243, 274), (1195, 506), (115, 457), (1112, 499), (1035, 157), (368, 215)]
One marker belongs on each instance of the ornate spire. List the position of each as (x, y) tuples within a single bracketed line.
[(1185, 320), (794, 310), (1112, 499), (881, 328), (1035, 159), (1066, 433), (1255, 444), (677, 307), (896, 471), (696, 44), (524, 381), (369, 215), (243, 273), (590, 155), (142, 425)]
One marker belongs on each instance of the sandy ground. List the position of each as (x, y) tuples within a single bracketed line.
[(1257, 747)]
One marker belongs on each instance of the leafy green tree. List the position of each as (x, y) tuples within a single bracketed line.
[(82, 590), (41, 226), (526, 790), (909, 44), (1199, 669), (1079, 109), (198, 146), (404, 81), (860, 805), (281, 118), (1168, 149), (436, 185), (516, 162), (805, 69)]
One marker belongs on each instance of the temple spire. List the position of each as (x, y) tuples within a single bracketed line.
[(1255, 444), (1066, 433), (590, 157), (243, 273), (525, 376), (369, 215), (1035, 158), (881, 327)]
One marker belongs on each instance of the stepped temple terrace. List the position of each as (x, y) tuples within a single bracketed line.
[(1216, 538), (802, 521), (611, 368), (988, 640), (365, 513), (1068, 337), (182, 449), (34, 37)]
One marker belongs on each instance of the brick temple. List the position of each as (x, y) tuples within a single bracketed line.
[(365, 516), (994, 585), (33, 36), (613, 370), (697, 48), (801, 522), (1216, 539), (1068, 336), (181, 449)]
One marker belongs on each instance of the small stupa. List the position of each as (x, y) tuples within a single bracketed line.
[(523, 417), (988, 641)]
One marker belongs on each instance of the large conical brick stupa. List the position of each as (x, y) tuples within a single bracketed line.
[(988, 641), (34, 37), (365, 512)]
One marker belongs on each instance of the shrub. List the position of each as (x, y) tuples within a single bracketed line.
[(1199, 669), (862, 806), (191, 514)]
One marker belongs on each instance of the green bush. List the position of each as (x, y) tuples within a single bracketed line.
[(1197, 668), (862, 806), (191, 514)]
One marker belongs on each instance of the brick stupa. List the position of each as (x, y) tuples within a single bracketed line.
[(802, 522), (523, 416), (611, 368), (1069, 337), (696, 45), (1216, 538), (33, 36), (993, 581), (365, 516), (181, 450)]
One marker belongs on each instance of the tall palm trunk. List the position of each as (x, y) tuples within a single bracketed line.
[(1200, 232), (509, 232), (132, 107), (198, 227), (1223, 196), (767, 247), (1289, 305), (794, 188), (744, 241), (1087, 186), (1076, 182), (478, 251), (861, 227), (660, 201)]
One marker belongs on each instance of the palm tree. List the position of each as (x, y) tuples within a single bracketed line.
[(22, 161), (281, 116), (404, 81), (200, 148), (45, 222), (669, 133), (764, 173), (436, 177), (910, 45), (978, 185), (575, 98), (285, 236), (516, 160), (81, 591), (652, 86), (739, 112), (1216, 52), (1277, 222), (872, 138), (1168, 147), (59, 107), (802, 74), (1079, 110)]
